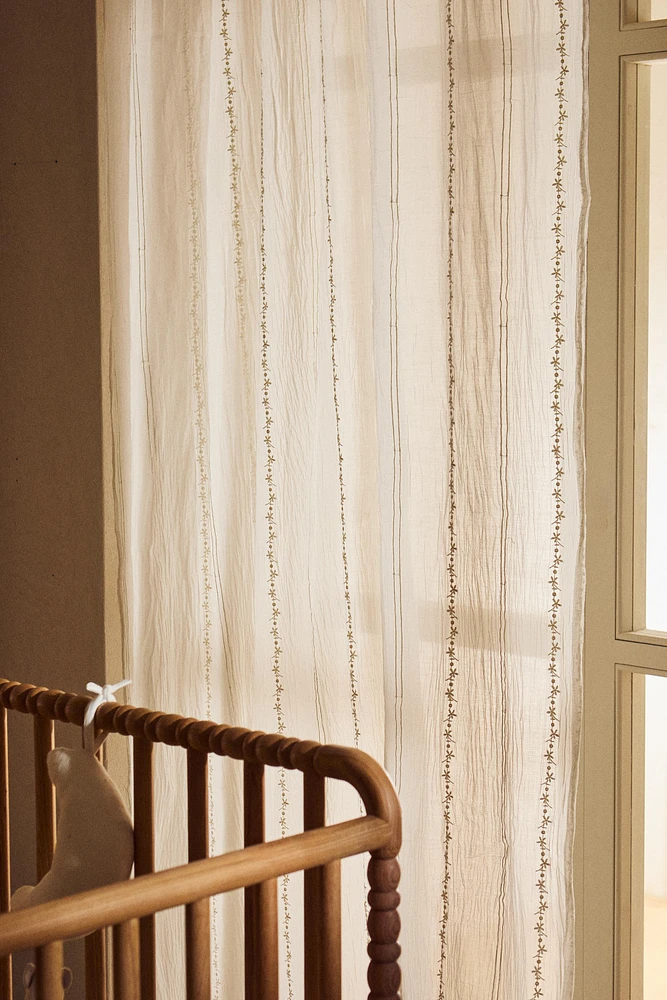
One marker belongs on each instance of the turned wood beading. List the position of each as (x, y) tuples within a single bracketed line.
[(260, 864), (384, 924), (253, 746)]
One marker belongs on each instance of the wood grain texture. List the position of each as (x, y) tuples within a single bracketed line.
[(322, 906), (96, 966), (78, 915), (45, 796), (371, 781), (144, 853), (126, 969), (197, 914), (261, 901), (198, 950), (49, 972), (5, 883)]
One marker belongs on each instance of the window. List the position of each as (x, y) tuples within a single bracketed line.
[(641, 764), (621, 888), (643, 349), (653, 116), (655, 838), (644, 11)]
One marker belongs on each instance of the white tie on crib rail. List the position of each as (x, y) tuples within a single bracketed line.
[(103, 693)]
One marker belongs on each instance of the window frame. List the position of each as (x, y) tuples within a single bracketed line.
[(617, 651)]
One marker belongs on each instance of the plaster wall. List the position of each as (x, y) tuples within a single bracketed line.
[(51, 490)]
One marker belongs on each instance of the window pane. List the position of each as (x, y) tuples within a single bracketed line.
[(652, 10), (655, 840), (656, 500)]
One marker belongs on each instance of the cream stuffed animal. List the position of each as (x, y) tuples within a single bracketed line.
[(30, 983), (94, 843)]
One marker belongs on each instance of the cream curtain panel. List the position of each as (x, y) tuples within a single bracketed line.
[(343, 280)]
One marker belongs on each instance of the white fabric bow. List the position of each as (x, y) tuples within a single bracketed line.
[(103, 694)]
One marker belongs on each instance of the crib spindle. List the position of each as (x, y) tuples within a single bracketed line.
[(197, 915), (96, 952), (5, 963), (322, 907), (50, 971), (144, 854), (45, 796), (96, 966), (261, 901), (126, 965)]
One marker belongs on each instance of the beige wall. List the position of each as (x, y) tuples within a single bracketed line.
[(51, 532)]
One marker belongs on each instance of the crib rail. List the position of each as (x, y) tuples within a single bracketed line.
[(129, 907), (116, 904)]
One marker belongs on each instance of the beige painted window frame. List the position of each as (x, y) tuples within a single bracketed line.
[(619, 651), (637, 14), (633, 356)]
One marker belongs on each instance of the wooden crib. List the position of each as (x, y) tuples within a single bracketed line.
[(129, 907)]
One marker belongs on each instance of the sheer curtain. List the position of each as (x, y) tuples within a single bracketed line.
[(343, 278)]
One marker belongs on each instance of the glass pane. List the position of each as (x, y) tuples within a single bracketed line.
[(655, 840), (652, 10), (656, 501)]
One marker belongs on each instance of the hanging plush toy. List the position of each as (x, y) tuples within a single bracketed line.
[(30, 981), (94, 844), (94, 841)]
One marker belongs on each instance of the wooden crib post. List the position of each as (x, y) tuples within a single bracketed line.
[(144, 854), (96, 952), (384, 924), (45, 796), (322, 912), (96, 966), (5, 883), (197, 915), (261, 901), (50, 971), (126, 965)]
